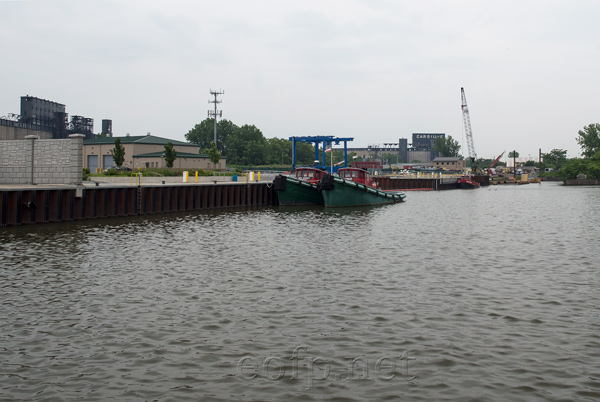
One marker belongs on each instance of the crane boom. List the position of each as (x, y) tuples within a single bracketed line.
[(490, 171), (496, 160), (467, 122)]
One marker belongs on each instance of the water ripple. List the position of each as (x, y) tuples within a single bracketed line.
[(479, 295)]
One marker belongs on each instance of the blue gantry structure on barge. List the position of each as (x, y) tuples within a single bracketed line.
[(328, 141)]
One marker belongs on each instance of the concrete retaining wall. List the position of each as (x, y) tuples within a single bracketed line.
[(121, 180), (35, 161), (582, 182)]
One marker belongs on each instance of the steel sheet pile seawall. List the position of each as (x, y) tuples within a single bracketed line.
[(405, 184), (28, 205)]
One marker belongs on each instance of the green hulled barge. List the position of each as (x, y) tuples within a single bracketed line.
[(300, 187), (354, 187)]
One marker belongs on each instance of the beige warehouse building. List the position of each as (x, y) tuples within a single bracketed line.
[(145, 151), (449, 163)]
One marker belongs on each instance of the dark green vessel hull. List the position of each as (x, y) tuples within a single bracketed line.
[(297, 192), (347, 193)]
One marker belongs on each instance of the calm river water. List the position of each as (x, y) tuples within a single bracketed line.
[(482, 295)]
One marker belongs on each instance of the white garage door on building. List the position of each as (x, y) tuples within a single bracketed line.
[(92, 163), (107, 161)]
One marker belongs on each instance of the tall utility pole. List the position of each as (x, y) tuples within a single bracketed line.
[(215, 113), (540, 166)]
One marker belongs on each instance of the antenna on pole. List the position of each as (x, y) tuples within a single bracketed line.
[(215, 113)]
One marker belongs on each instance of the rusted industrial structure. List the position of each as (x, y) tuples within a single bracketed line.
[(46, 119)]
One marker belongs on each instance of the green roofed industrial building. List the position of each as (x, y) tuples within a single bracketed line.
[(144, 151)]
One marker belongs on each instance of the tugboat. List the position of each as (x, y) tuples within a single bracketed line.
[(467, 182), (354, 187), (300, 187)]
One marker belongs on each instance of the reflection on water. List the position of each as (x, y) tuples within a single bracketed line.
[(489, 294)]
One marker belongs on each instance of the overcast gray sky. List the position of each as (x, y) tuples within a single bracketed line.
[(376, 70)]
